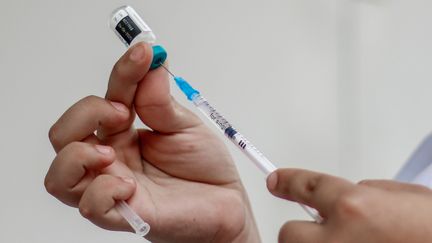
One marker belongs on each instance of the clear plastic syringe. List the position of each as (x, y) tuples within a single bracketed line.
[(231, 133), (140, 227), (223, 125)]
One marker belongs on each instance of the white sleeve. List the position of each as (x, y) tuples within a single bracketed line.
[(418, 169)]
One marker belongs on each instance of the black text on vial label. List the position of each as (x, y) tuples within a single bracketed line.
[(127, 29)]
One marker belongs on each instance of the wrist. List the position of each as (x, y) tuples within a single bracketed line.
[(249, 231)]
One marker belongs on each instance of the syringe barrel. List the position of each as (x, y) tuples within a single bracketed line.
[(235, 137), (253, 153), (140, 227)]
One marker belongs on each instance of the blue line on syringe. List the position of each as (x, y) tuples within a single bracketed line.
[(225, 127)]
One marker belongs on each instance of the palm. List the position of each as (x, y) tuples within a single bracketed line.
[(184, 178)]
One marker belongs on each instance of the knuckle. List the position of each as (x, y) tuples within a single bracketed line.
[(90, 99), (305, 188), (53, 135), (229, 212), (313, 183), (50, 186), (350, 205), (86, 211), (285, 232)]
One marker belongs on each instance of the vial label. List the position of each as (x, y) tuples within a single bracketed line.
[(128, 29)]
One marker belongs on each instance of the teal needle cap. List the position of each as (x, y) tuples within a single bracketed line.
[(159, 56)]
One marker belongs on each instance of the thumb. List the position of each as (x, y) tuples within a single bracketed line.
[(157, 108)]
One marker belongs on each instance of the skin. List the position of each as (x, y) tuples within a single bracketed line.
[(177, 175), (373, 211), (180, 178)]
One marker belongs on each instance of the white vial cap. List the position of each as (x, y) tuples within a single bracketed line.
[(130, 27)]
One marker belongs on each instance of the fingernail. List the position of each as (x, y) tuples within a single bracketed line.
[(138, 53), (128, 180), (119, 106), (103, 149), (272, 181)]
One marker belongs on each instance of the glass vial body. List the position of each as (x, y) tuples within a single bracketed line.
[(130, 27)]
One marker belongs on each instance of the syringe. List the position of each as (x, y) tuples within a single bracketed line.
[(231, 133), (140, 227), (223, 125)]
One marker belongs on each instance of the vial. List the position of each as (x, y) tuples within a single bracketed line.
[(131, 29)]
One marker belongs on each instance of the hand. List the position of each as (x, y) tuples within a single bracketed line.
[(177, 175), (372, 211)]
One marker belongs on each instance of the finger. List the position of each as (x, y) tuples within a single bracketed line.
[(74, 168), (316, 190), (129, 70), (87, 115), (98, 201), (131, 81), (394, 186), (156, 107), (301, 232)]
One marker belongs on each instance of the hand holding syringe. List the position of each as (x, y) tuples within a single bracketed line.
[(131, 29), (231, 133)]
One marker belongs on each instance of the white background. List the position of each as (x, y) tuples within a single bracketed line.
[(339, 86)]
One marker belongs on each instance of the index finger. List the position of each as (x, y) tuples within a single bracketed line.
[(129, 70), (316, 190)]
